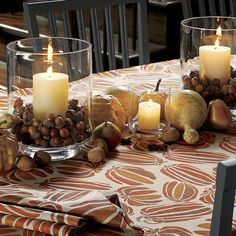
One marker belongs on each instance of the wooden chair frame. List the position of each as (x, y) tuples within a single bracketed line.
[(33, 9), (224, 199)]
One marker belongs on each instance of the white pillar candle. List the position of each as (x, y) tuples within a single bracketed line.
[(215, 62), (50, 94), (148, 115)]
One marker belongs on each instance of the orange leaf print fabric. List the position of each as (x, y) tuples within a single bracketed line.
[(130, 175), (189, 155), (175, 212), (138, 196), (189, 174)]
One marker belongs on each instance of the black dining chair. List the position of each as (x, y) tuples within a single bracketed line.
[(102, 22), (192, 8), (221, 224)]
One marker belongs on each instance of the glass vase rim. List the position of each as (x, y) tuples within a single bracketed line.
[(8, 46), (184, 21)]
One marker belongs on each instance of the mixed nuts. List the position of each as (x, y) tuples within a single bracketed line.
[(212, 89), (56, 130)]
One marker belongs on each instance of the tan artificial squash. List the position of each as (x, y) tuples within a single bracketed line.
[(8, 150), (127, 98), (186, 110), (107, 108)]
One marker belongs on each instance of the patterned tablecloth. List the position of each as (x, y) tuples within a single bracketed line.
[(162, 193)]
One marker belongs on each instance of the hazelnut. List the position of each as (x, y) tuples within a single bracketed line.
[(100, 142), (18, 102), (96, 154), (170, 135), (25, 163), (42, 158)]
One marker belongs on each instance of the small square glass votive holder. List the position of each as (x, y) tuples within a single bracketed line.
[(147, 116), (207, 56), (49, 89)]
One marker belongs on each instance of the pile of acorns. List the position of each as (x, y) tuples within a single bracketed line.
[(56, 130), (211, 89)]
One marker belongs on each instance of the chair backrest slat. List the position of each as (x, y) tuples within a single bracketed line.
[(143, 33), (52, 24), (232, 4), (80, 24), (202, 7), (208, 8), (32, 23), (187, 8), (222, 7), (96, 40), (212, 8), (66, 24), (123, 35), (110, 39)]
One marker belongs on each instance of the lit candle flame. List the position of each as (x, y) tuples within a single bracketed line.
[(49, 71), (50, 55), (217, 42), (149, 102), (219, 31), (219, 34)]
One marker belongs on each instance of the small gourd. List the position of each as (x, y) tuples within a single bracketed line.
[(186, 110)]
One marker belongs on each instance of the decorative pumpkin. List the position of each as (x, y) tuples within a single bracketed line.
[(107, 108), (8, 150)]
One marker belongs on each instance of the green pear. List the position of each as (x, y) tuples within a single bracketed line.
[(109, 132)]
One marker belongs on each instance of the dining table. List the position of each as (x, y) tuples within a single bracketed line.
[(134, 191)]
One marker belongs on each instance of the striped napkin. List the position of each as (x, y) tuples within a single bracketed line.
[(59, 212)]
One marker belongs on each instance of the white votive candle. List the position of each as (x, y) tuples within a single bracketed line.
[(215, 62), (50, 94), (148, 115)]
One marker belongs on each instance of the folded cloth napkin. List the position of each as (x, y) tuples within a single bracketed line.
[(57, 212)]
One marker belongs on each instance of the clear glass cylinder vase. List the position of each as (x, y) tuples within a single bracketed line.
[(147, 101), (49, 90), (208, 57)]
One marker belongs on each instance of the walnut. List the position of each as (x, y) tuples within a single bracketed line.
[(170, 135), (96, 154), (8, 150), (25, 163)]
